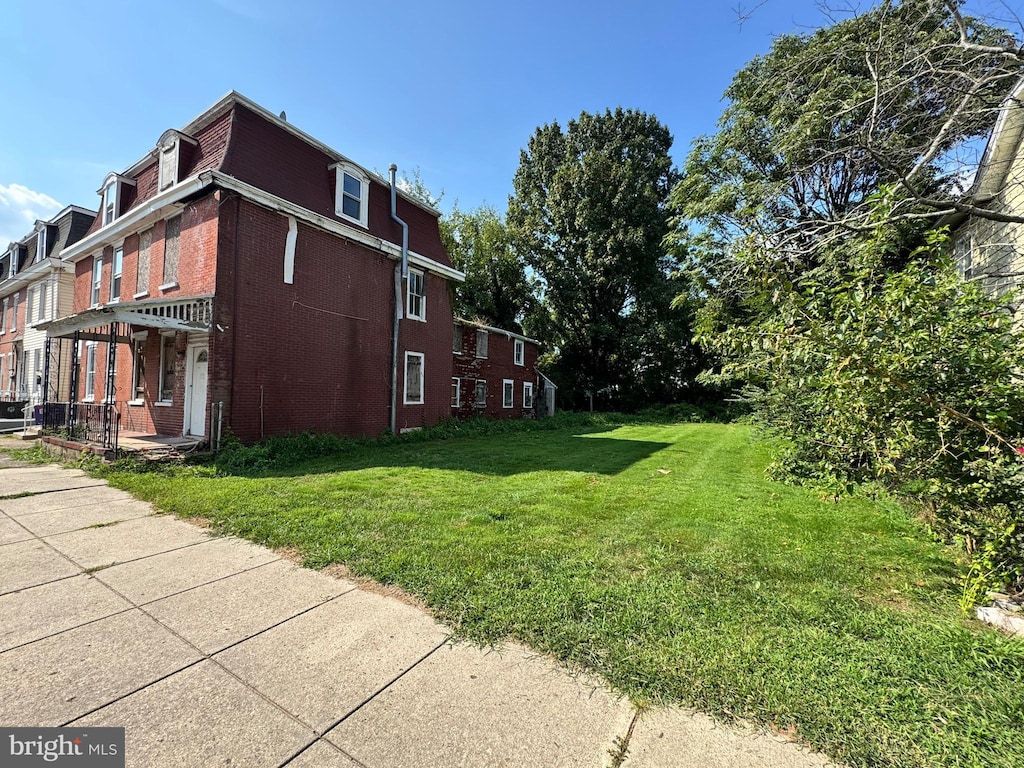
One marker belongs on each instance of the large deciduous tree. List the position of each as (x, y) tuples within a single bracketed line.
[(589, 214), (809, 222), (496, 289)]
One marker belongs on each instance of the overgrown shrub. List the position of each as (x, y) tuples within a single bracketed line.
[(909, 379)]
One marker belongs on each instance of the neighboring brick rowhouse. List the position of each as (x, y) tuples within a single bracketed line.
[(497, 367)]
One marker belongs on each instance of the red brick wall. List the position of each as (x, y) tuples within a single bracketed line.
[(494, 369), (208, 154), (316, 353), (197, 264), (271, 158)]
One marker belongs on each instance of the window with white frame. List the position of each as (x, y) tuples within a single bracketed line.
[(480, 394), (37, 369), (139, 368), (16, 254), (416, 296), (519, 351), (110, 201), (481, 343), (527, 394), (30, 295), (172, 237), (413, 378), (508, 392), (110, 385), (456, 392), (41, 244), (116, 266), (41, 309), (90, 370), (14, 313), (97, 278), (3, 319), (457, 339), (351, 193), (168, 164), (167, 368)]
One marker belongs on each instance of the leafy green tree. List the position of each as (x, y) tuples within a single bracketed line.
[(808, 223), (496, 289), (589, 214)]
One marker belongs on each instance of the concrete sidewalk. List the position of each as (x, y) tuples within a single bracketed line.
[(212, 651)]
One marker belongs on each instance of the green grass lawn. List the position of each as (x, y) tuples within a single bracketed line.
[(660, 557)]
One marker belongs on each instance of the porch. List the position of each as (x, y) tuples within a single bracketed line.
[(95, 402)]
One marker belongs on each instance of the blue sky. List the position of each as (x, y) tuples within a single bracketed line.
[(453, 88)]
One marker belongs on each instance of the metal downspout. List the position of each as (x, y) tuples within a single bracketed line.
[(401, 275)]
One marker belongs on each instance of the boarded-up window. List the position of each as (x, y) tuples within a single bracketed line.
[(413, 378), (481, 343), (171, 239), (142, 271)]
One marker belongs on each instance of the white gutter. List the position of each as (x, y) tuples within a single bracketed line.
[(116, 230), (279, 204), (30, 274)]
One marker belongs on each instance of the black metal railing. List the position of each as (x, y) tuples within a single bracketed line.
[(97, 423)]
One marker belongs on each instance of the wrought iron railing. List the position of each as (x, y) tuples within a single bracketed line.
[(97, 423)]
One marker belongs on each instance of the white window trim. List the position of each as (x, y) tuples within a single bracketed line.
[(3, 318), (518, 352), (90, 397), (42, 298), (508, 385), (422, 316), (14, 313), (41, 244), (115, 275), (477, 403), (458, 392), (96, 286), (111, 186), (340, 169), (423, 365), (527, 388)]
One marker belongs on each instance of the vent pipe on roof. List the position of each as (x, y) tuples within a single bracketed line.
[(401, 274)]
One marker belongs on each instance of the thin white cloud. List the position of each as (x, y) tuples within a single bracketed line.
[(19, 209)]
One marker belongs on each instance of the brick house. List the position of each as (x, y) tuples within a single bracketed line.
[(985, 249), (494, 372), (36, 287), (244, 275)]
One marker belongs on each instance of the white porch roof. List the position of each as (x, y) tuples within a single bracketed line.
[(193, 314)]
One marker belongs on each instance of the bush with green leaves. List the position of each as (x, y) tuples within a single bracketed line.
[(910, 380)]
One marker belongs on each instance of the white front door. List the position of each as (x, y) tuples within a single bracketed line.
[(195, 394)]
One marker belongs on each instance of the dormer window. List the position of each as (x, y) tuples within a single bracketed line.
[(42, 242), (17, 254), (351, 193), (113, 193), (110, 202), (172, 150)]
